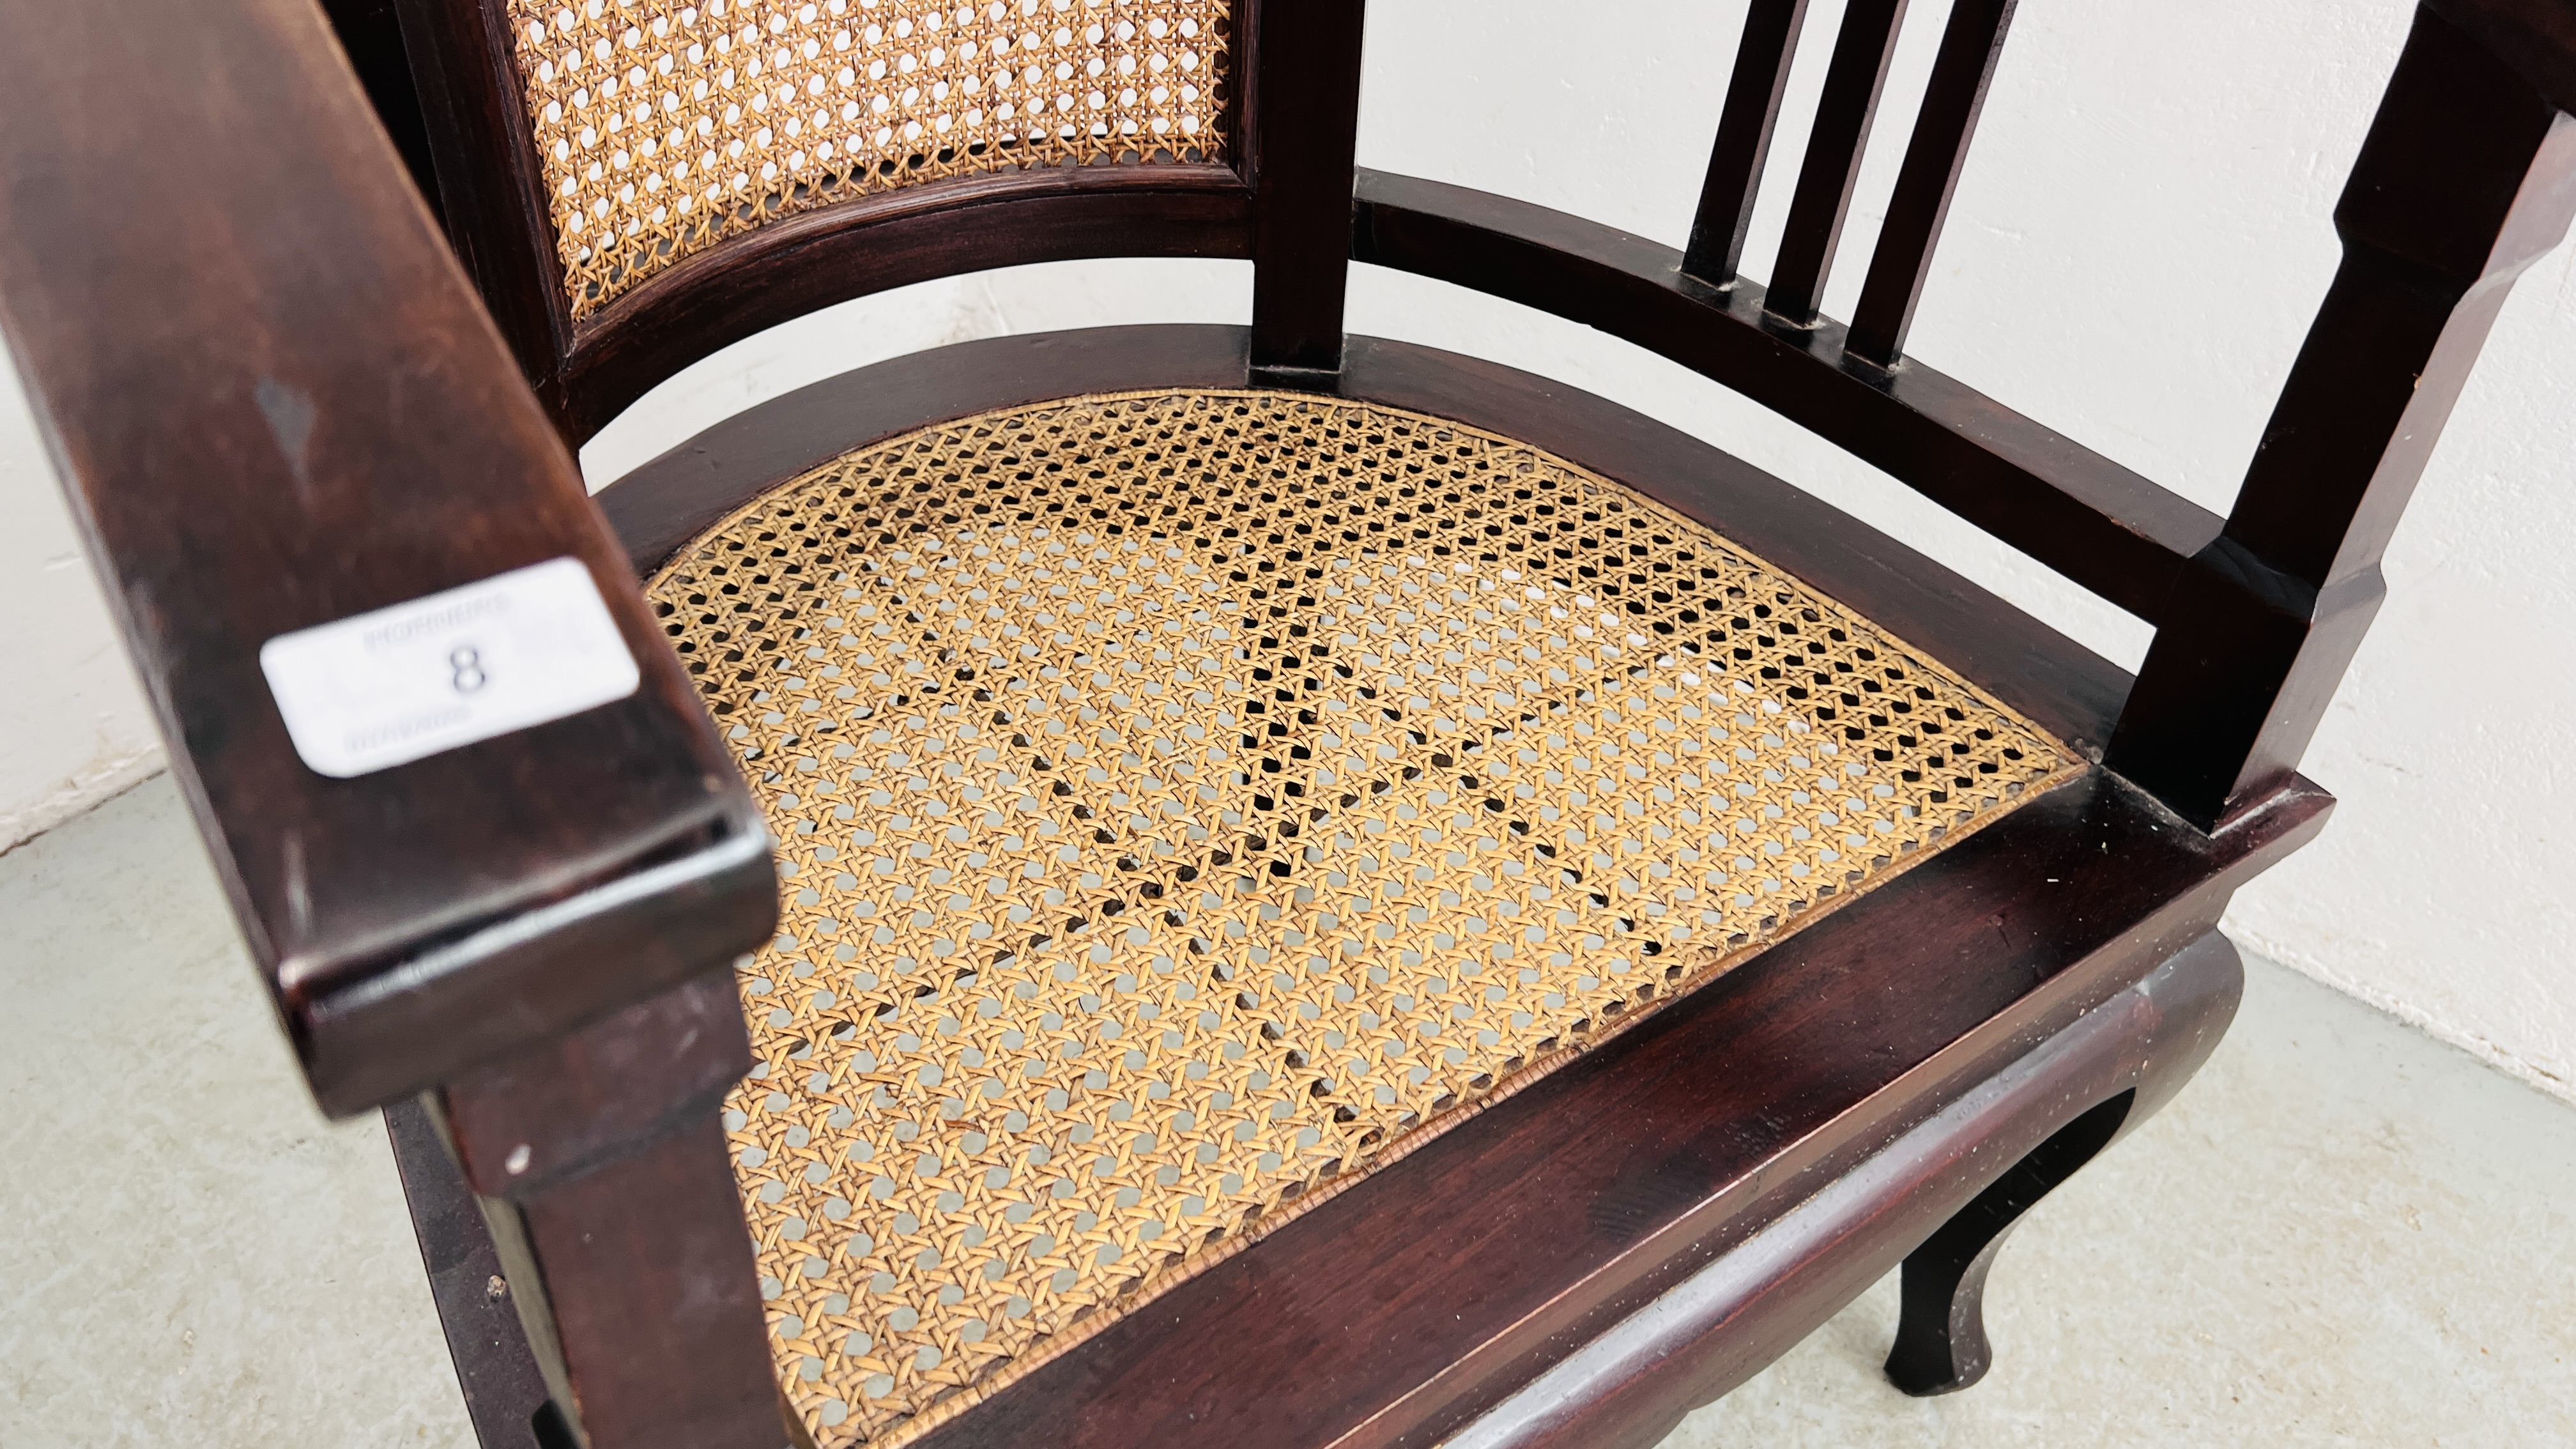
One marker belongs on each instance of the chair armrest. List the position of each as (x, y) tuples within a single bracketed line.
[(276, 404)]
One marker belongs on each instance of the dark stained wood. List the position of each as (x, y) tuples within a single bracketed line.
[(609, 1185), (522, 1124), (2536, 37), (2467, 175), (1302, 122), (443, 991), (491, 189), (2074, 510), (1844, 110), (247, 461), (1941, 1344), (1417, 1299), (609, 1190), (1735, 160), (651, 1297), (2056, 682), (1970, 45), (1632, 1384), (371, 36), (504, 1389), (281, 414), (788, 268)]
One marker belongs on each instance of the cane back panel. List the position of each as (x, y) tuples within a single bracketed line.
[(663, 127), (1186, 801)]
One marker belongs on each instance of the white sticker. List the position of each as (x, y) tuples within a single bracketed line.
[(385, 688)]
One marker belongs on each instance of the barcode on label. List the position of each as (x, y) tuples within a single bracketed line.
[(402, 683)]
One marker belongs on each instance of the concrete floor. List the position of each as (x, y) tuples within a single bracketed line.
[(2342, 1233)]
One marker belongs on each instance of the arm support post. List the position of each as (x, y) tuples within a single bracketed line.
[(2468, 175)]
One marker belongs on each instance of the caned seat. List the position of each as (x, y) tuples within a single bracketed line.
[(1187, 800), (1250, 885)]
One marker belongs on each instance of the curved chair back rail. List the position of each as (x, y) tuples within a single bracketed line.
[(2462, 182), (769, 159)]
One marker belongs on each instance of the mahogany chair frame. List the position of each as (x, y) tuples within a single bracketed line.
[(289, 406)]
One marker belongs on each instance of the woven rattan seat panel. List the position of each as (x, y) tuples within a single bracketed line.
[(664, 127), (1187, 800)]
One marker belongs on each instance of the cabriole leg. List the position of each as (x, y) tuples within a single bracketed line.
[(1941, 1330)]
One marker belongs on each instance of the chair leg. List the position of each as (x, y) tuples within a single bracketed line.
[(1941, 1343), (605, 1183)]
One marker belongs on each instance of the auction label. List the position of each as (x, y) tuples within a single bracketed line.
[(399, 684)]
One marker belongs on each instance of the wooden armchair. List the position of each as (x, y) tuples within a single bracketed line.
[(1298, 889)]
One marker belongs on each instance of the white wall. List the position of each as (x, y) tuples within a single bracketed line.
[(2136, 246), (73, 726)]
